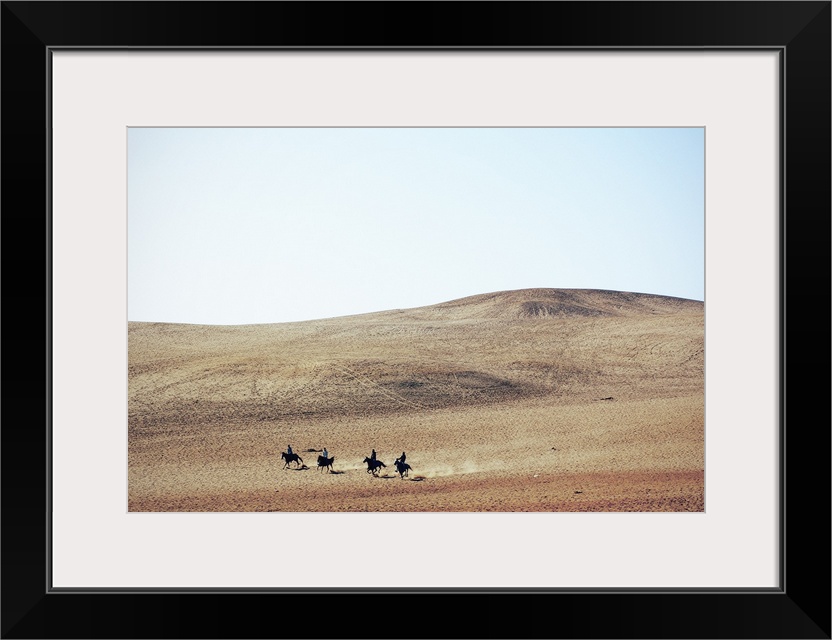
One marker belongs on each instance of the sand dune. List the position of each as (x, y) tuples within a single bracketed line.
[(529, 400)]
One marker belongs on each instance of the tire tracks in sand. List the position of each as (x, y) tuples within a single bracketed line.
[(371, 384)]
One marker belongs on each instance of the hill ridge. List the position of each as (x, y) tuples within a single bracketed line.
[(511, 304)]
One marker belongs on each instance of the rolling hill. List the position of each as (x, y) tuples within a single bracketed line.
[(615, 378)]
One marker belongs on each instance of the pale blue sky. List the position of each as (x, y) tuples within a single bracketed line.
[(246, 225)]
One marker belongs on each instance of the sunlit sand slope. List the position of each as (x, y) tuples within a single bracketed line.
[(530, 400)]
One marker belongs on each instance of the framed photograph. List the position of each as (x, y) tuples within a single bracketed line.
[(491, 308)]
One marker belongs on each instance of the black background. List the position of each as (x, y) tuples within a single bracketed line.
[(800, 609)]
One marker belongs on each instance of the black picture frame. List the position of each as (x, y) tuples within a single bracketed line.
[(799, 608)]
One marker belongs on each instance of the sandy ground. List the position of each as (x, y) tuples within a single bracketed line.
[(533, 400)]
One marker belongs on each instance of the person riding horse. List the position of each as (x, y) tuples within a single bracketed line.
[(325, 462), (291, 457), (401, 458), (373, 465)]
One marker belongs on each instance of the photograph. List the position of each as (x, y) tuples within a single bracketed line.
[(416, 319)]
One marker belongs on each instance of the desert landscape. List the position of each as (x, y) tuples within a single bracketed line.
[(534, 400)]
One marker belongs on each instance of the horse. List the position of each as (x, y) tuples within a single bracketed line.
[(373, 465), (291, 457), (402, 468), (325, 463)]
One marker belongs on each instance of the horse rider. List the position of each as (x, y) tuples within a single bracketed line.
[(401, 458), (326, 453), (289, 450), (373, 455)]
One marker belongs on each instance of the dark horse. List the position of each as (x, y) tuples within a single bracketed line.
[(325, 463), (373, 465), (402, 468), (291, 457)]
